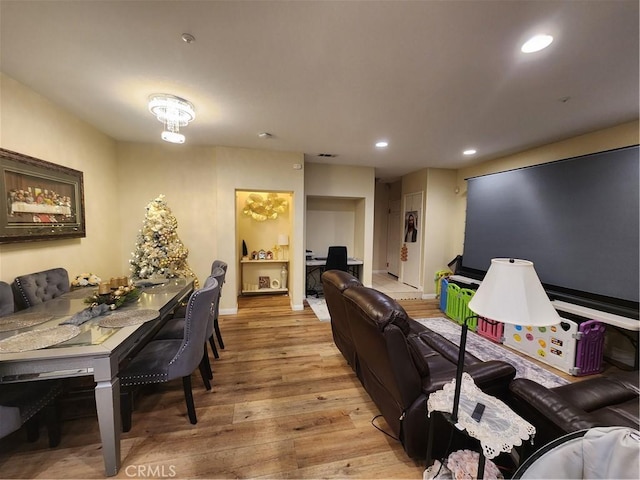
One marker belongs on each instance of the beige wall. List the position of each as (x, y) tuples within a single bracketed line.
[(258, 170), (349, 183), (440, 208), (32, 125), (380, 225), (200, 184), (607, 139), (186, 176)]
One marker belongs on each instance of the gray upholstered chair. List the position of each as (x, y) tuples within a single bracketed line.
[(6, 299), (216, 327), (175, 327), (164, 360), (38, 287), (20, 404)]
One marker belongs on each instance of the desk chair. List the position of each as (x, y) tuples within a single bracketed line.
[(336, 259)]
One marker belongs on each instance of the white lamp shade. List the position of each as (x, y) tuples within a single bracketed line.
[(283, 239), (511, 292)]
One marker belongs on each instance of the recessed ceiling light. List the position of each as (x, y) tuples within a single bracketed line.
[(471, 151), (536, 43), (382, 144), (265, 135)]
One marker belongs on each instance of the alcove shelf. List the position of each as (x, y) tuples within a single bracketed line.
[(253, 270)]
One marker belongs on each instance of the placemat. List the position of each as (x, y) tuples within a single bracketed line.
[(37, 339), (16, 322), (128, 317)]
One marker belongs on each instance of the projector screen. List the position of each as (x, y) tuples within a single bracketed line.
[(575, 219)]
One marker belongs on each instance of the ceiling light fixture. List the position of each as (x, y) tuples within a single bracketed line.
[(382, 144), (174, 112), (471, 151), (536, 43), (265, 135)]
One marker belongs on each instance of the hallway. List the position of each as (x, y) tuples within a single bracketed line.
[(395, 289)]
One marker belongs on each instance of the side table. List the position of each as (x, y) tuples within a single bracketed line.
[(498, 430)]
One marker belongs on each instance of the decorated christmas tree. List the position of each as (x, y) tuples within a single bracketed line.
[(159, 251)]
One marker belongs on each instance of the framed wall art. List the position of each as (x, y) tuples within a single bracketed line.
[(39, 200)]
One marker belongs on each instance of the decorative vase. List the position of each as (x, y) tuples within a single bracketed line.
[(283, 276)]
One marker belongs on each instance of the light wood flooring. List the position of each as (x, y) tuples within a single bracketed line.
[(284, 404)]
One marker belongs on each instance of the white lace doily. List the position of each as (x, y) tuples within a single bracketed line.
[(499, 429)]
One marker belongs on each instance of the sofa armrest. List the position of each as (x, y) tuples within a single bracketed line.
[(435, 369), (551, 414), (492, 377), (446, 348)]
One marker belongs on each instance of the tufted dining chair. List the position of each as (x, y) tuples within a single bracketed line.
[(20, 403), (6, 299), (38, 287), (174, 328), (164, 360), (216, 327)]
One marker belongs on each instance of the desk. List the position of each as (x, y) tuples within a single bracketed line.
[(315, 267), (95, 351)]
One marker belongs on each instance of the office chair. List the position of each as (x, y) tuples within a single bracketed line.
[(336, 259)]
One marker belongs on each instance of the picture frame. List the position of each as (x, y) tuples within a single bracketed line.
[(264, 282), (39, 200)]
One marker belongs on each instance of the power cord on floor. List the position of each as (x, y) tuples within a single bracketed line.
[(380, 429)]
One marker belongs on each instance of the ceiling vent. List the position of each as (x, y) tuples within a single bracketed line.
[(327, 155)]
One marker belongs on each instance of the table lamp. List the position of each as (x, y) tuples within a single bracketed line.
[(511, 292), (283, 241)]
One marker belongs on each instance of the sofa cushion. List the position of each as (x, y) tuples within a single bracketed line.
[(334, 282), (379, 308), (596, 393)]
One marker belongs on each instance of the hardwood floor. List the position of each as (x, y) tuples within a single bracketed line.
[(284, 404)]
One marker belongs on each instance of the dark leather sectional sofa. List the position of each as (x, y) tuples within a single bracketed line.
[(594, 402), (400, 362)]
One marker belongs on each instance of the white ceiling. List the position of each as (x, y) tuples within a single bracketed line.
[(431, 77)]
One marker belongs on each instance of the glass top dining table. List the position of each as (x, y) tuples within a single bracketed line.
[(93, 348)]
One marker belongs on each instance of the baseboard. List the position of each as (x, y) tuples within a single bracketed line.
[(228, 311), (429, 296)]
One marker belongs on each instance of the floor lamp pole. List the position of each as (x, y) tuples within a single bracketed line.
[(461, 353)]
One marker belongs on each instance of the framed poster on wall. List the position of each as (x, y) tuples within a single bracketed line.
[(39, 200)]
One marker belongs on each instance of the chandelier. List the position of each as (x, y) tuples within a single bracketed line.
[(174, 112)]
